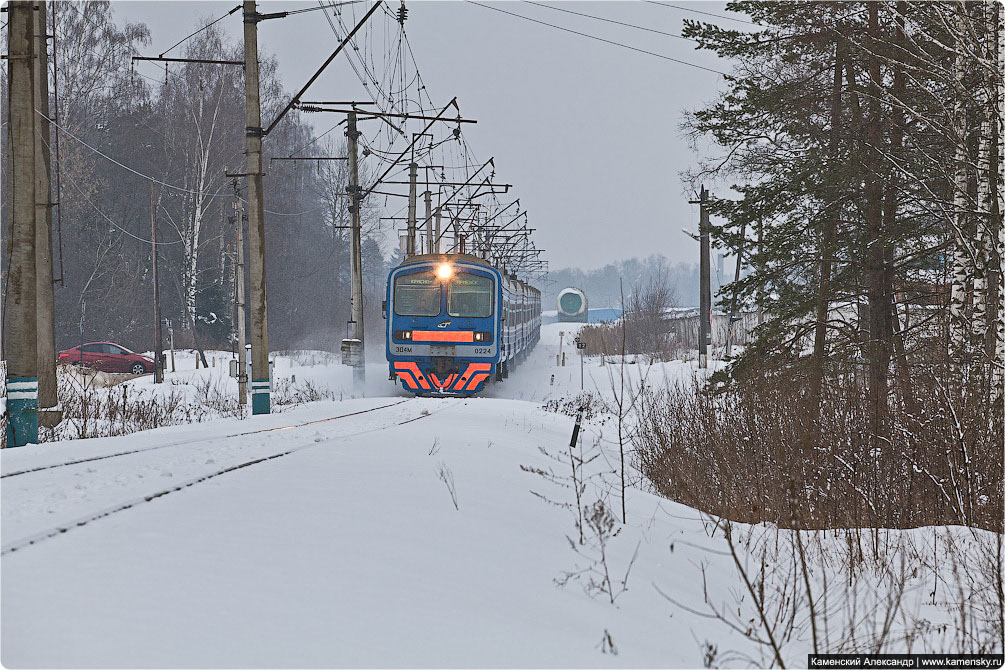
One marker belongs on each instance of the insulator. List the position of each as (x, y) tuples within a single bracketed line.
[(402, 14)]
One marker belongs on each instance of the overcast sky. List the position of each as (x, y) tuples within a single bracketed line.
[(587, 132)]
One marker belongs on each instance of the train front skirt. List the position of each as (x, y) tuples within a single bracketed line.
[(471, 380)]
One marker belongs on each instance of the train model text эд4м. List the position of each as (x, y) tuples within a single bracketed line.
[(455, 322)]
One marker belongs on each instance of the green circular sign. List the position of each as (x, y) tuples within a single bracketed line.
[(571, 303)]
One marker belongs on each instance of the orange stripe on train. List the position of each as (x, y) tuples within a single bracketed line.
[(476, 380), (469, 372), (443, 336), (414, 370), (444, 384)]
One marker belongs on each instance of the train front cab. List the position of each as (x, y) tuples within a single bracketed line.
[(443, 333)]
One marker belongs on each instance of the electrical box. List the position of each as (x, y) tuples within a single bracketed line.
[(352, 352), (234, 367)]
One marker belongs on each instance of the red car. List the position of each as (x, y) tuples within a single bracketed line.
[(107, 357)]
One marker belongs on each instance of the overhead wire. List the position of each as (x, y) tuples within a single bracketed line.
[(205, 27), (601, 39), (606, 20), (698, 11)]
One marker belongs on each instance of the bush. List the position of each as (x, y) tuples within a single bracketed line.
[(756, 451)]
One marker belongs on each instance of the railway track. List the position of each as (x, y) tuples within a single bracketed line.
[(195, 440), (63, 528)]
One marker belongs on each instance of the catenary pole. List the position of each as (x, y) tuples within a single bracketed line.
[(428, 195), (242, 361), (705, 279), (355, 251), (260, 374), (436, 238), (410, 235), (48, 400), (158, 338), (21, 327), (734, 305)]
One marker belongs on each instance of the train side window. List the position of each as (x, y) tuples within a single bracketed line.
[(417, 294), (469, 295)]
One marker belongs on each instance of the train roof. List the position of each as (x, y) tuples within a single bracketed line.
[(437, 258)]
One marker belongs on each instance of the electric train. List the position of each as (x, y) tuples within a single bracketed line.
[(455, 322)]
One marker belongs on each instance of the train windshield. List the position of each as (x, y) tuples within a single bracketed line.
[(417, 294), (469, 295)]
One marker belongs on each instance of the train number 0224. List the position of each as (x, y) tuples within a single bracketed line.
[(482, 350)]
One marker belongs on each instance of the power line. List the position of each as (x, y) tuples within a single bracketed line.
[(698, 11), (205, 27), (599, 39), (210, 194), (109, 220), (314, 9), (601, 18)]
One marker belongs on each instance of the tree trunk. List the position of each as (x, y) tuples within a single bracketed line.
[(962, 259), (829, 234), (890, 214), (999, 346), (878, 343)]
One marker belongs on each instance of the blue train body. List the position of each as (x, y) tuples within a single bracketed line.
[(455, 322)]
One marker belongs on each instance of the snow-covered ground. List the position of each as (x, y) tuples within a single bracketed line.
[(364, 532)]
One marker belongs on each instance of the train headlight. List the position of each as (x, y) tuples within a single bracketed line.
[(403, 335), (443, 271), (483, 337)]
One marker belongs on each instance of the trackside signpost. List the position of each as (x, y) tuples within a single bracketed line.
[(580, 346)]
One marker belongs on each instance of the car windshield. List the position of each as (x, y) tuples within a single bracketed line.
[(469, 295), (417, 294)]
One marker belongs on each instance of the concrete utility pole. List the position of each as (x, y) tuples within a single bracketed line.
[(355, 249), (242, 362), (413, 169), (429, 220), (48, 399), (158, 339), (705, 310), (21, 342), (734, 306), (436, 240), (260, 377)]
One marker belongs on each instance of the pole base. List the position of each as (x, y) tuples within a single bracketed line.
[(22, 411), (261, 400)]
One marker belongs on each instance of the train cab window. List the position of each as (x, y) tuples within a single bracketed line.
[(469, 295), (417, 294)]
